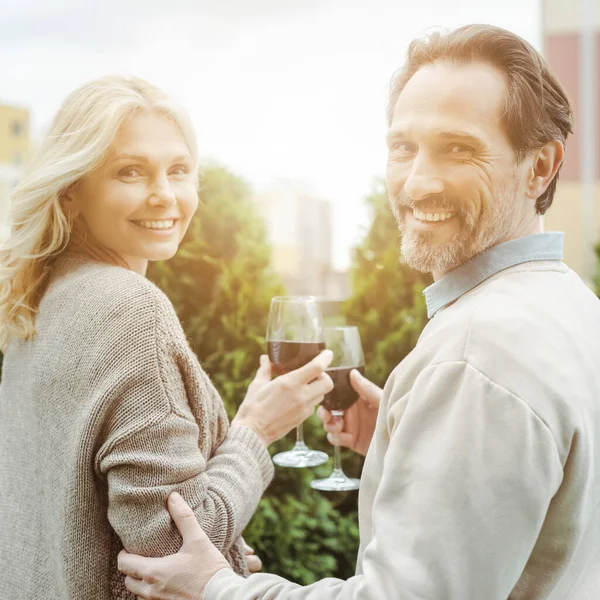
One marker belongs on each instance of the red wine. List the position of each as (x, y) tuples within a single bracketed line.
[(343, 395), (289, 356)]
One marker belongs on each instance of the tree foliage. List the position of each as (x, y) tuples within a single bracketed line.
[(221, 284), (387, 302)]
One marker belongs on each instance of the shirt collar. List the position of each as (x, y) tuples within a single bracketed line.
[(540, 246)]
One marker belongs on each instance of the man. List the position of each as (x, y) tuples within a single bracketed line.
[(482, 480)]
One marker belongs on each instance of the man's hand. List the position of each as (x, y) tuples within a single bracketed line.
[(355, 429), (254, 563), (181, 576), (274, 408)]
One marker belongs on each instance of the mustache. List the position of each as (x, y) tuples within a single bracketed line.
[(437, 202)]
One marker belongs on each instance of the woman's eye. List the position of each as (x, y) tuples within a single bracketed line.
[(403, 149), (130, 172), (179, 170)]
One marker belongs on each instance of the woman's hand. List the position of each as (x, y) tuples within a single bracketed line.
[(355, 430), (272, 408)]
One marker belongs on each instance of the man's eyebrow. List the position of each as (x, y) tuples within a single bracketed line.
[(447, 134), (462, 135)]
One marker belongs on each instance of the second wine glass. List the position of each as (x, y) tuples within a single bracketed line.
[(294, 338), (347, 350)]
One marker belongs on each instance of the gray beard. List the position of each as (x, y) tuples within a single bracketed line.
[(473, 238)]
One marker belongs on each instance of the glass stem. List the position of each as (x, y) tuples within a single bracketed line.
[(300, 434), (300, 445), (337, 455), (337, 459)]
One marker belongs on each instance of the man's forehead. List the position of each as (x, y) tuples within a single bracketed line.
[(471, 93)]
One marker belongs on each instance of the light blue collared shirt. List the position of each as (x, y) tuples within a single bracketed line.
[(540, 246)]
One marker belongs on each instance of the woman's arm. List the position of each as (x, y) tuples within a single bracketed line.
[(166, 430)]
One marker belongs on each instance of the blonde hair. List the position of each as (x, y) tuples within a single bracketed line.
[(78, 141)]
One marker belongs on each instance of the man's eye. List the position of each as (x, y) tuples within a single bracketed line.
[(460, 149)]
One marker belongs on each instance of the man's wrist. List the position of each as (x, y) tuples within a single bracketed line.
[(222, 585)]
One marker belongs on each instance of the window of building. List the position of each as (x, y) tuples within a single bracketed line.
[(17, 128)]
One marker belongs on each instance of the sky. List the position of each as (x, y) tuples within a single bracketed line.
[(277, 89)]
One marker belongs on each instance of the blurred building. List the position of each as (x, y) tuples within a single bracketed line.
[(300, 230), (571, 45), (14, 152)]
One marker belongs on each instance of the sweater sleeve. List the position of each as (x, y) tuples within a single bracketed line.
[(166, 430), (467, 479)]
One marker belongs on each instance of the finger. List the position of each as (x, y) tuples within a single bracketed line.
[(320, 386), (311, 370), (366, 388), (140, 588), (334, 426), (185, 519), (247, 549), (134, 565), (264, 370), (254, 563), (341, 439), (324, 415)]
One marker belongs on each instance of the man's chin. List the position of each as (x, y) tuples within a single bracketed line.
[(431, 258)]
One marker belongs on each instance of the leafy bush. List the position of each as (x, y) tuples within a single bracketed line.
[(221, 285), (387, 302)]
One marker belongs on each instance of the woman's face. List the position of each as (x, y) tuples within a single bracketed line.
[(140, 201)]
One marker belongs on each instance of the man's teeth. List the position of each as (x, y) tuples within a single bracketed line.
[(167, 224), (427, 216)]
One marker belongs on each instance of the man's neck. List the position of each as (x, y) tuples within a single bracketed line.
[(533, 227)]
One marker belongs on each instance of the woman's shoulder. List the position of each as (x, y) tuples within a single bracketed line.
[(95, 289)]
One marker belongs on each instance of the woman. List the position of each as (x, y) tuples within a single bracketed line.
[(104, 409)]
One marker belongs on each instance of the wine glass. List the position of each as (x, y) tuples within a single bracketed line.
[(347, 350), (294, 338)]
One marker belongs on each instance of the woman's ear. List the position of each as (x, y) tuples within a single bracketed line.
[(69, 201)]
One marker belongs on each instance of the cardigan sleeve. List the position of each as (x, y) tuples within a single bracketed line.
[(143, 469), (166, 430), (467, 479)]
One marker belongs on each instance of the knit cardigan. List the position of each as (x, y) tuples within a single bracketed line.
[(103, 414)]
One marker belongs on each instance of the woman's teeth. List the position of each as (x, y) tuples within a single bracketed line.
[(166, 224), (427, 216)]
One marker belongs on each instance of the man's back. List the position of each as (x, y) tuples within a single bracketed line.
[(490, 430)]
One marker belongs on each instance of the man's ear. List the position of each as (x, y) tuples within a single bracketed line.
[(546, 163)]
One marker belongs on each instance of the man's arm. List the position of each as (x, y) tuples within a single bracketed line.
[(468, 476)]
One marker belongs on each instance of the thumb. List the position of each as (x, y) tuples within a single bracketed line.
[(367, 389), (186, 522), (264, 371), (312, 369)]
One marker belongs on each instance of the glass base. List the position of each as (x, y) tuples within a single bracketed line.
[(336, 482), (300, 457)]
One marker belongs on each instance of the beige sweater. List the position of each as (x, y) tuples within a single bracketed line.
[(101, 417), (482, 481)]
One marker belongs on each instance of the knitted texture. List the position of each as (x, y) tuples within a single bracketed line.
[(102, 415)]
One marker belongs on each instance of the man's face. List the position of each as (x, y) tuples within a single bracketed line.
[(454, 186)]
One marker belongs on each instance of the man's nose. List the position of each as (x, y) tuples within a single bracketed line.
[(423, 180), (162, 193)]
